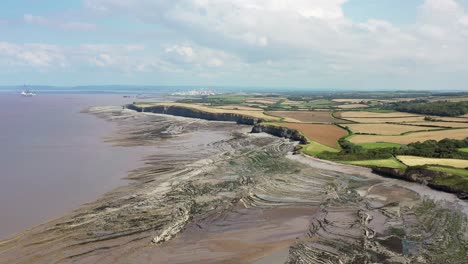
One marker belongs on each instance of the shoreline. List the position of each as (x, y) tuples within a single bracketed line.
[(418, 175), (239, 196)]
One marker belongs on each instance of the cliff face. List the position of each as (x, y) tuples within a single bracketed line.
[(194, 113), (423, 176), (280, 132)]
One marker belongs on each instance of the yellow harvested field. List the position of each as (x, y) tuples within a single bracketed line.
[(353, 114), (421, 161), (388, 120), (412, 137), (386, 129), (441, 124), (351, 106), (452, 119), (254, 114), (238, 107)]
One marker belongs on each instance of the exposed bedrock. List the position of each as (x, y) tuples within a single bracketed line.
[(194, 113), (280, 132), (235, 198), (423, 176)]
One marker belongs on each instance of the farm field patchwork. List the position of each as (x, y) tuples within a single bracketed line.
[(386, 129), (306, 116), (412, 137), (421, 161), (327, 135)]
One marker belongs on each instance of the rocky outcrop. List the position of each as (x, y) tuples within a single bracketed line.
[(279, 131), (194, 113), (427, 177)]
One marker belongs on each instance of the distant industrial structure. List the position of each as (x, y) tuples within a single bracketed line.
[(200, 92)]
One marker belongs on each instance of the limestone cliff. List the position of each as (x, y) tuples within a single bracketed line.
[(434, 179), (280, 132), (194, 113)]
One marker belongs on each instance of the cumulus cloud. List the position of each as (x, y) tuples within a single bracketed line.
[(127, 58), (311, 39), (197, 56), (261, 30), (37, 55)]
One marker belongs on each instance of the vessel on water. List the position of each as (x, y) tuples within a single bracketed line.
[(27, 93)]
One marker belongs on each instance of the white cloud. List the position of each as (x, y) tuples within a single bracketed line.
[(128, 58), (260, 30), (37, 55), (277, 38), (185, 54)]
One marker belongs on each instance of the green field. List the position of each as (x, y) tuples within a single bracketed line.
[(380, 111), (464, 150), (378, 145), (459, 172), (387, 163), (317, 103), (315, 148)]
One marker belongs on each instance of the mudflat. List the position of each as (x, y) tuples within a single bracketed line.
[(211, 193)]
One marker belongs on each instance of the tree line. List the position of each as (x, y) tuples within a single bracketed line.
[(424, 107), (446, 148)]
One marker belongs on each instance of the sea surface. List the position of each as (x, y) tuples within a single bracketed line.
[(53, 157)]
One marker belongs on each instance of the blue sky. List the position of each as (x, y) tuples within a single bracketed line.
[(345, 44)]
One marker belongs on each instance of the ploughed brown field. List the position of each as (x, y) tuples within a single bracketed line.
[(324, 134), (306, 116)]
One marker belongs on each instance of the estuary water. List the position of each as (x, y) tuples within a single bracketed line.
[(53, 157)]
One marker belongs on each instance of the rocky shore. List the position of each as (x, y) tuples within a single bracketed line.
[(279, 131), (419, 175), (214, 193), (423, 176)]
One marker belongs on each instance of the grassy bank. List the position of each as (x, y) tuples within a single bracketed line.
[(385, 163)]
